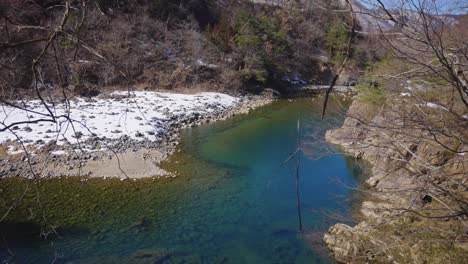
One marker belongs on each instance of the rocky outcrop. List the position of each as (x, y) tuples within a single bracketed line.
[(412, 179)]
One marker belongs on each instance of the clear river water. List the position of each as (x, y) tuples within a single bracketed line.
[(233, 201)]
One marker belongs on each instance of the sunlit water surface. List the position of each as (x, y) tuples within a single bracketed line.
[(234, 200)]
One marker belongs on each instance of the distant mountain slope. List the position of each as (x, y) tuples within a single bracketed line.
[(376, 20)]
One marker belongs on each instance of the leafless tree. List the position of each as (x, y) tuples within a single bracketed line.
[(410, 122)]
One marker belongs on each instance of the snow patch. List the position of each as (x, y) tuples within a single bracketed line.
[(436, 106), (200, 62), (139, 115), (14, 151), (58, 152)]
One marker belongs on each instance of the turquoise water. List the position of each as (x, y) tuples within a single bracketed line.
[(233, 202)]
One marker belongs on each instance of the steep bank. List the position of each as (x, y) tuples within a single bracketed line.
[(413, 210)]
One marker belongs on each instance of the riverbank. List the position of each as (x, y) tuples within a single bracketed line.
[(119, 134), (412, 194), (233, 199)]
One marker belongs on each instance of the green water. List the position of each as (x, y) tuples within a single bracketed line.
[(233, 201)]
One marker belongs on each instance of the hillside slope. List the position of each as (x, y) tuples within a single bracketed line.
[(160, 44)]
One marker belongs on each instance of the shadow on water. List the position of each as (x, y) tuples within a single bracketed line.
[(20, 231), (234, 200)]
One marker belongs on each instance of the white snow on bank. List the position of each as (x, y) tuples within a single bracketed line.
[(434, 106), (13, 151), (58, 152), (439, 107), (140, 115)]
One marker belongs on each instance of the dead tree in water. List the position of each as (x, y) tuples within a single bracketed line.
[(296, 156), (297, 162)]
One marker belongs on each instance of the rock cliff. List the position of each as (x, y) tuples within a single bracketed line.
[(414, 205)]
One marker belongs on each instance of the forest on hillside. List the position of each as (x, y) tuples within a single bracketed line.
[(83, 46)]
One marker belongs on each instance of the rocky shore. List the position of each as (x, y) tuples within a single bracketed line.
[(402, 200), (117, 135)]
